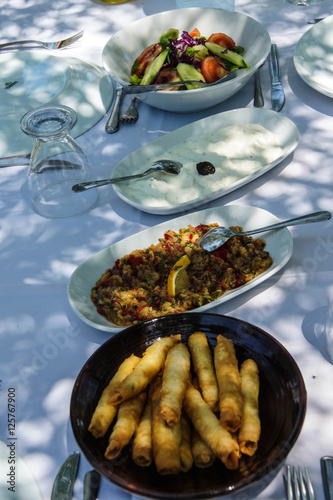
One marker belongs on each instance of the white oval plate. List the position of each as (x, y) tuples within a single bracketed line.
[(285, 130), (279, 245), (313, 57), (33, 78)]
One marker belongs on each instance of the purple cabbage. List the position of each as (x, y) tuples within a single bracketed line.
[(178, 50)]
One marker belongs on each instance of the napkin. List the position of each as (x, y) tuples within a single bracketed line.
[(220, 4)]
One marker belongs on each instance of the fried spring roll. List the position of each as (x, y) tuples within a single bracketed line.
[(204, 368), (150, 364), (142, 450), (175, 376), (127, 421), (185, 447), (210, 429), (229, 382), (166, 440), (249, 432), (203, 455), (104, 412)]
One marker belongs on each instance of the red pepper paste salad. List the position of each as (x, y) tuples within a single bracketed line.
[(135, 288)]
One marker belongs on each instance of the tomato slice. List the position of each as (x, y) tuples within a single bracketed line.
[(194, 33), (145, 58), (212, 69), (222, 39), (167, 75)]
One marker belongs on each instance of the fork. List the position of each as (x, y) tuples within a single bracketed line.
[(131, 115), (299, 486), (60, 44)]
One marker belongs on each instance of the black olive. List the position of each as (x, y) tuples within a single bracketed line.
[(205, 168)]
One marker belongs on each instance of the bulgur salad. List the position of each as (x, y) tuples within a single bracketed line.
[(135, 288)]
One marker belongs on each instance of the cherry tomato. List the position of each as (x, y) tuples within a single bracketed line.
[(145, 58), (212, 69), (222, 39)]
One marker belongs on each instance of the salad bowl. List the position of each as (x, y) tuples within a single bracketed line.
[(126, 45)]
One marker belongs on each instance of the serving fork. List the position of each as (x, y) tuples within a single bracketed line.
[(299, 486), (131, 114), (60, 44)]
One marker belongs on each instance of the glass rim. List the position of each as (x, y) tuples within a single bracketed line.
[(48, 121)]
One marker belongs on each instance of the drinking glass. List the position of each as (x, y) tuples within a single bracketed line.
[(57, 163)]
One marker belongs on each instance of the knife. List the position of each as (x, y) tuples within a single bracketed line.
[(64, 482), (258, 97), (278, 97), (112, 123), (92, 481), (327, 475)]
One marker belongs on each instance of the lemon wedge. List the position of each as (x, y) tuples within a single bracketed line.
[(178, 278)]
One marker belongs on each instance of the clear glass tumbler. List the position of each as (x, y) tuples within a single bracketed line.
[(56, 163)]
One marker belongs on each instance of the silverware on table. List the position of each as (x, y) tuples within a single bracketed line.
[(15, 161), (167, 166), (144, 89), (278, 97), (327, 475), (112, 123), (131, 114), (60, 44), (299, 484), (258, 97), (217, 236), (64, 482), (91, 484), (316, 20)]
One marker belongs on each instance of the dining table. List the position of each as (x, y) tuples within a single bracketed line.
[(44, 344)]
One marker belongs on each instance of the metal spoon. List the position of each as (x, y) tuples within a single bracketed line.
[(217, 236), (167, 166)]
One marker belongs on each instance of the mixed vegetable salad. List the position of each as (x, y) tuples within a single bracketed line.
[(190, 56)]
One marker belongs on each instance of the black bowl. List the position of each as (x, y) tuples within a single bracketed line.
[(282, 408)]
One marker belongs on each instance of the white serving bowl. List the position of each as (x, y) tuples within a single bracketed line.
[(127, 44)]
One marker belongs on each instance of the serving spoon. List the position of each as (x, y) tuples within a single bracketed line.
[(167, 166), (217, 236)]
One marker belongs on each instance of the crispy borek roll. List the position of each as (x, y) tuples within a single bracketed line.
[(229, 382), (104, 412), (142, 450), (166, 440), (203, 455), (174, 380), (204, 368), (185, 447), (150, 364), (249, 433), (128, 417), (210, 428)]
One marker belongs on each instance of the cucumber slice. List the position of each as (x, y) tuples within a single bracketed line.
[(171, 34), (226, 54), (188, 72), (154, 67)]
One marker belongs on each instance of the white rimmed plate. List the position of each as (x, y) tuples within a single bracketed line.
[(30, 79), (279, 245), (285, 130), (313, 57)]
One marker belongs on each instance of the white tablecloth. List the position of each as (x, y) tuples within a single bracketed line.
[(43, 345)]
